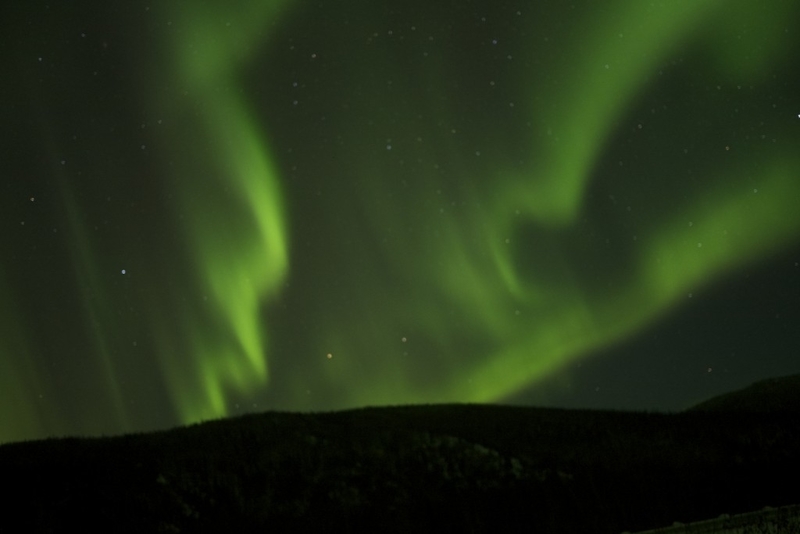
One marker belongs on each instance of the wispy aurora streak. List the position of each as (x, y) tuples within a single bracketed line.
[(17, 378), (233, 209), (493, 327)]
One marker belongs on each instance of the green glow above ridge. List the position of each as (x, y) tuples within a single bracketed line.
[(493, 329), (320, 207), (17, 379), (233, 212), (445, 282)]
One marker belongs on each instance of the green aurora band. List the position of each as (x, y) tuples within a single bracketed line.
[(524, 328), (462, 285), (234, 213)]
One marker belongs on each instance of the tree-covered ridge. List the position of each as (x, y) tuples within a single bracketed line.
[(437, 467)]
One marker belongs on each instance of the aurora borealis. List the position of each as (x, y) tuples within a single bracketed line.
[(217, 207)]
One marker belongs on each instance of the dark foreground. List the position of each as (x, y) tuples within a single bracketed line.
[(442, 468)]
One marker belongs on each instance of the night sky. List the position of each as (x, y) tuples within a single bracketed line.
[(210, 208)]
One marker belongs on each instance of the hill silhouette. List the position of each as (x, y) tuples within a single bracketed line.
[(442, 468), (780, 394)]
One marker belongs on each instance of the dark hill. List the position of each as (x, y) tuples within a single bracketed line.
[(771, 395), (438, 468)]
